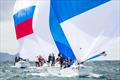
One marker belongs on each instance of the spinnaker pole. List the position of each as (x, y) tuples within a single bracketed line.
[(95, 56)]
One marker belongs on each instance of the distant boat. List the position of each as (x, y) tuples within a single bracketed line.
[(22, 64)]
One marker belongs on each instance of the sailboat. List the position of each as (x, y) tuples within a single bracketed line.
[(62, 26)]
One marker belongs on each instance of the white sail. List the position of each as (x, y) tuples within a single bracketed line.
[(39, 42), (93, 30), (41, 27), (19, 11)]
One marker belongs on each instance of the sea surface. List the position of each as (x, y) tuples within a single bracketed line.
[(109, 69)]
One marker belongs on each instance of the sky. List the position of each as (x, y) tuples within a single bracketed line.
[(9, 44)]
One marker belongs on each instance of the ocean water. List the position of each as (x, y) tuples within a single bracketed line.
[(109, 69)]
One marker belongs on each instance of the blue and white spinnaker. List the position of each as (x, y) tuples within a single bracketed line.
[(61, 26)]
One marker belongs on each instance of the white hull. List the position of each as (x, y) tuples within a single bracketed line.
[(73, 71), (22, 64), (81, 71)]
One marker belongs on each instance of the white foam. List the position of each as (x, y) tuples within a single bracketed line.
[(39, 74), (95, 75)]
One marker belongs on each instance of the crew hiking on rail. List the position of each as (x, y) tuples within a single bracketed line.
[(63, 62)]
